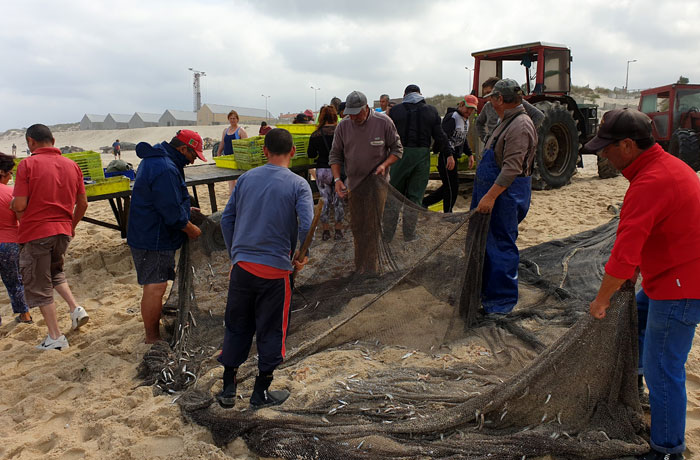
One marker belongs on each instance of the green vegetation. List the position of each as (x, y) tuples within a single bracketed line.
[(443, 101)]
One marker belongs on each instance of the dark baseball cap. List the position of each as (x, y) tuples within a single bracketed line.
[(505, 87), (411, 89), (354, 103), (620, 124)]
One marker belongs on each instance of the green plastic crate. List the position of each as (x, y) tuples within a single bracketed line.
[(106, 186), (90, 164), (226, 161), (301, 128), (301, 142)]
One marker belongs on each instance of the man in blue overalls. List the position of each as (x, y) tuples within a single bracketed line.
[(502, 187)]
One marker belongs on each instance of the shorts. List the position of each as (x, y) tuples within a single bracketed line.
[(41, 267), (153, 267)]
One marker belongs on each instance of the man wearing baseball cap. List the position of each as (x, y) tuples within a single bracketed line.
[(659, 237), (502, 188), (159, 218), (365, 142)]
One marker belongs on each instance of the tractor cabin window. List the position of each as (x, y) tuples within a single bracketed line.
[(556, 71)]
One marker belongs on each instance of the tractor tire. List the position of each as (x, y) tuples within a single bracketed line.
[(557, 147), (606, 170), (686, 146)]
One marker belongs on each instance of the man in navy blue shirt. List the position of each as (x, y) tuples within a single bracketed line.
[(269, 211), (159, 219)]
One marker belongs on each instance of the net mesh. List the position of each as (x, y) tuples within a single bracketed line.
[(389, 355)]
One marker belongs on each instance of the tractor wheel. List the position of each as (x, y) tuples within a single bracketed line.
[(557, 147), (606, 170), (686, 146)]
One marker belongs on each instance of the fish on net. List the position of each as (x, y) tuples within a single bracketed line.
[(399, 362)]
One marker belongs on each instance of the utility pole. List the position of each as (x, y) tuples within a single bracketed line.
[(197, 90), (316, 90), (470, 79), (266, 98), (627, 76)]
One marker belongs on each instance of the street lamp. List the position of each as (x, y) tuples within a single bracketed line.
[(627, 76), (470, 79), (266, 98), (316, 90)]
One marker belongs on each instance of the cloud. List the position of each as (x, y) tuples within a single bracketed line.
[(64, 59)]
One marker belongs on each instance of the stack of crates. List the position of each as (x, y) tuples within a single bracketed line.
[(109, 185), (248, 153), (90, 164), (301, 142)]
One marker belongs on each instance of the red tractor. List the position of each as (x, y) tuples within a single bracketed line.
[(567, 125), (675, 113)]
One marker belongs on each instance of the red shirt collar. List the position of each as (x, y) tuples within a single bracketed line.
[(47, 150), (648, 156)]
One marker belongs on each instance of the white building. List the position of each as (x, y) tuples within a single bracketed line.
[(144, 120), (177, 118), (92, 121), (117, 121)]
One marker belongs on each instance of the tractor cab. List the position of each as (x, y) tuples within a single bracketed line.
[(675, 114), (540, 68), (544, 73)]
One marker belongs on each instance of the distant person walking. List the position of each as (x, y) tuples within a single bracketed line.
[(49, 195), (9, 249), (14, 150), (117, 150), (159, 219), (320, 143)]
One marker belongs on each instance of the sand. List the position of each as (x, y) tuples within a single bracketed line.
[(85, 402)]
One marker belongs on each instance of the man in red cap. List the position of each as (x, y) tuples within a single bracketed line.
[(659, 237), (159, 218)]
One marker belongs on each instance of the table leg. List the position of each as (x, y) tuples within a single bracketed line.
[(195, 198), (212, 198)]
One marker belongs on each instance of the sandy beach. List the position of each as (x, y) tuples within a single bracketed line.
[(86, 402)]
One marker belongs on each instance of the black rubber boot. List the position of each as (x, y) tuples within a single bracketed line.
[(262, 397), (227, 397)]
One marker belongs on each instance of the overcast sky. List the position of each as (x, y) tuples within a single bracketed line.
[(66, 58)]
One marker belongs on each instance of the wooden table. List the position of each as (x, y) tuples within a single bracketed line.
[(207, 175)]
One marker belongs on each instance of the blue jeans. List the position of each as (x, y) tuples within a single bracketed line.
[(668, 335)]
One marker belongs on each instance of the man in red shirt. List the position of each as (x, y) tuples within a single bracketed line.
[(659, 237), (50, 196)]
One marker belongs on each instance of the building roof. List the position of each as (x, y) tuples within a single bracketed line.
[(242, 111), (120, 117), (95, 118), (182, 115), (148, 117)]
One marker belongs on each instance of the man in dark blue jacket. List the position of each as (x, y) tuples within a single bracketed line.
[(418, 125), (159, 219)]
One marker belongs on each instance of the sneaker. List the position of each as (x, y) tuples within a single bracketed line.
[(268, 398), (338, 235), (227, 397), (326, 235), (78, 317), (53, 344)]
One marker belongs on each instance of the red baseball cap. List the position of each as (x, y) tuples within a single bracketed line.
[(193, 140), (471, 101)]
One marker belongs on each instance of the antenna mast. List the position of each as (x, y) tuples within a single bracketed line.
[(196, 87)]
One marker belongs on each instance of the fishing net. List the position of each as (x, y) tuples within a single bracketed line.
[(390, 356)]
